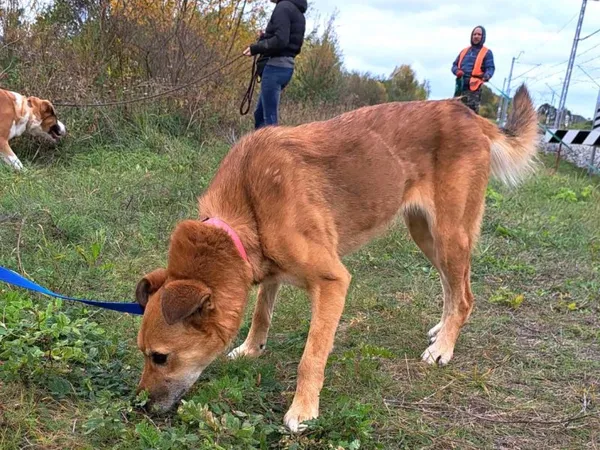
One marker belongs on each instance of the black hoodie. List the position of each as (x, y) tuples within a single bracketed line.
[(284, 35)]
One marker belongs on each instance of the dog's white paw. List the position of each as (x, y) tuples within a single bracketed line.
[(439, 353), (246, 351), (295, 417), (15, 163), (434, 332)]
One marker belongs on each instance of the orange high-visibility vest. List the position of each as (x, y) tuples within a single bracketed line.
[(475, 82)]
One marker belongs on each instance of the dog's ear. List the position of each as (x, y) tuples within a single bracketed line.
[(46, 109), (148, 285), (33, 102), (184, 298)]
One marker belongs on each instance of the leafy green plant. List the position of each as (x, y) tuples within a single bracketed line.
[(507, 298), (566, 194), (234, 428), (505, 231), (571, 196), (494, 197), (587, 192), (347, 425), (46, 346), (92, 253)]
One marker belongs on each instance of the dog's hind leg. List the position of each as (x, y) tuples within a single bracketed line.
[(419, 229), (256, 341), (454, 233), (454, 265)]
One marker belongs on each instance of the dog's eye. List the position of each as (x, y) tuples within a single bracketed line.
[(159, 358)]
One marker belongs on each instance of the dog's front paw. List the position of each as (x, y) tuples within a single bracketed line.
[(296, 415), (246, 351), (434, 332), (440, 352), (15, 163)]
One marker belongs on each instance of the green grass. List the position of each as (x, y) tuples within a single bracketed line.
[(90, 218)]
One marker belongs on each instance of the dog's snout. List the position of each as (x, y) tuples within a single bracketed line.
[(58, 129), (144, 407), (62, 130)]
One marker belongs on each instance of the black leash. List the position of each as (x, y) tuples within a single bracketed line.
[(247, 100), (150, 97)]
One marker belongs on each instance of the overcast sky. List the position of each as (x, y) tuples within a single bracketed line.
[(377, 35)]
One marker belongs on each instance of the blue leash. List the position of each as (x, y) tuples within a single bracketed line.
[(500, 91), (13, 278)]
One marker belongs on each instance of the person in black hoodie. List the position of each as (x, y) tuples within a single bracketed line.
[(279, 45)]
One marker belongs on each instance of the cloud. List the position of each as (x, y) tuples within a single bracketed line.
[(378, 35)]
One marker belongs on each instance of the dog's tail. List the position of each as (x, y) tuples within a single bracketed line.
[(514, 149)]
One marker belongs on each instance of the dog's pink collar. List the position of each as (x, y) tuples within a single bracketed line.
[(231, 232)]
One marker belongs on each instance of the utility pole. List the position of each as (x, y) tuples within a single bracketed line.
[(553, 94), (505, 104), (551, 104), (501, 102), (596, 119), (565, 88)]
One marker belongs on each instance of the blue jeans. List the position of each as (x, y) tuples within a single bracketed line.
[(273, 80)]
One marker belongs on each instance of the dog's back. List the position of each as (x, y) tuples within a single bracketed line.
[(363, 167)]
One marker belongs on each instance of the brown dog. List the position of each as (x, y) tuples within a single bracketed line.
[(19, 114), (287, 203)]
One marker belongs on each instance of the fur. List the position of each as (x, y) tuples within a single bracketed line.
[(302, 197), (18, 115)]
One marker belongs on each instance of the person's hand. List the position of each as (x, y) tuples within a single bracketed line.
[(459, 73), (247, 52)]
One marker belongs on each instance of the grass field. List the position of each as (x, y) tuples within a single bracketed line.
[(90, 218)]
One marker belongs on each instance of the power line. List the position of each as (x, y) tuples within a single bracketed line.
[(580, 82), (538, 79), (526, 72), (559, 64), (539, 65), (568, 23), (579, 54), (589, 76), (590, 35), (588, 50), (593, 59), (557, 32), (574, 54)]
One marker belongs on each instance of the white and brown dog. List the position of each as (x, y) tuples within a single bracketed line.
[(20, 114)]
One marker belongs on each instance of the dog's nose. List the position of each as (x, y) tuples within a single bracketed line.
[(146, 407), (148, 404), (62, 130)]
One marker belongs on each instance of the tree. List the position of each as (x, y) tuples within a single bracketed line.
[(403, 85), (489, 103), (364, 89), (318, 73)]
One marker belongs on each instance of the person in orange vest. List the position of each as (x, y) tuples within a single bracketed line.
[(473, 66)]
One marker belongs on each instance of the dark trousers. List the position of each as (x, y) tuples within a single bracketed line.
[(472, 99), (274, 79)]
